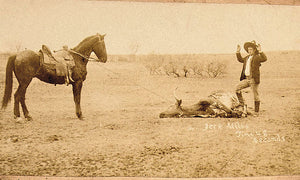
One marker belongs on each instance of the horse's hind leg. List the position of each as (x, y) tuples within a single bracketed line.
[(20, 98)]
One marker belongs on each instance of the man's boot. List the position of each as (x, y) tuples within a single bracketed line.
[(256, 107)]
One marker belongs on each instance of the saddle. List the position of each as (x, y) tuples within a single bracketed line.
[(62, 60)]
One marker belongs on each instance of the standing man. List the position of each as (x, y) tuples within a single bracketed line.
[(250, 76)]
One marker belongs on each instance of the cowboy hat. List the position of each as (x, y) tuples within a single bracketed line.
[(250, 44)]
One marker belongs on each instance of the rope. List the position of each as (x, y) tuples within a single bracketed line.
[(97, 60), (152, 92), (142, 87)]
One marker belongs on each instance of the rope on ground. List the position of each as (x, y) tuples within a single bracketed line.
[(234, 155)]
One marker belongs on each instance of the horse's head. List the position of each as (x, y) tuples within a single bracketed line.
[(99, 48)]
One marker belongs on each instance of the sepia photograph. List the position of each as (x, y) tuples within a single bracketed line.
[(104, 89)]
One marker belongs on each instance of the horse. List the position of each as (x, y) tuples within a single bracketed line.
[(27, 65)]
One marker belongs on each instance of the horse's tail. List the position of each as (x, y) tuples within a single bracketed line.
[(8, 80)]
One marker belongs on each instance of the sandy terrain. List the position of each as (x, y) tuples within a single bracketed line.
[(122, 135)]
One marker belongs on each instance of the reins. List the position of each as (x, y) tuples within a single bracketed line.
[(85, 57), (91, 59)]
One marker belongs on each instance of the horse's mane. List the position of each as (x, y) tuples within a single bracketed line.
[(84, 41)]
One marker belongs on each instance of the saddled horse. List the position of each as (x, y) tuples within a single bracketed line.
[(27, 64)]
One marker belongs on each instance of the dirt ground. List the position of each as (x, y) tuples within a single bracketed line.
[(122, 135)]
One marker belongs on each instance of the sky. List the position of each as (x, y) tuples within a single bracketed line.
[(165, 28)]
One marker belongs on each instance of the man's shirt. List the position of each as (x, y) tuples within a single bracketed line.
[(248, 64)]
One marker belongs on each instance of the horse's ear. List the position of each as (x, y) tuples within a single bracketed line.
[(102, 36)]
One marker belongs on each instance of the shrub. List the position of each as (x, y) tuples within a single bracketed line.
[(215, 69), (182, 66)]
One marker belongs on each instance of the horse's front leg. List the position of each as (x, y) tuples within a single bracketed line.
[(77, 86)]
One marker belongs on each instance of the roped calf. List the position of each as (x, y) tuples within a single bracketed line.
[(217, 104)]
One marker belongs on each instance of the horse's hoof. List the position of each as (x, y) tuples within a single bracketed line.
[(255, 114), (29, 118), (79, 115), (19, 120), (244, 115)]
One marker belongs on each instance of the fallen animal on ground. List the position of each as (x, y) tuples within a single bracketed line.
[(217, 104)]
